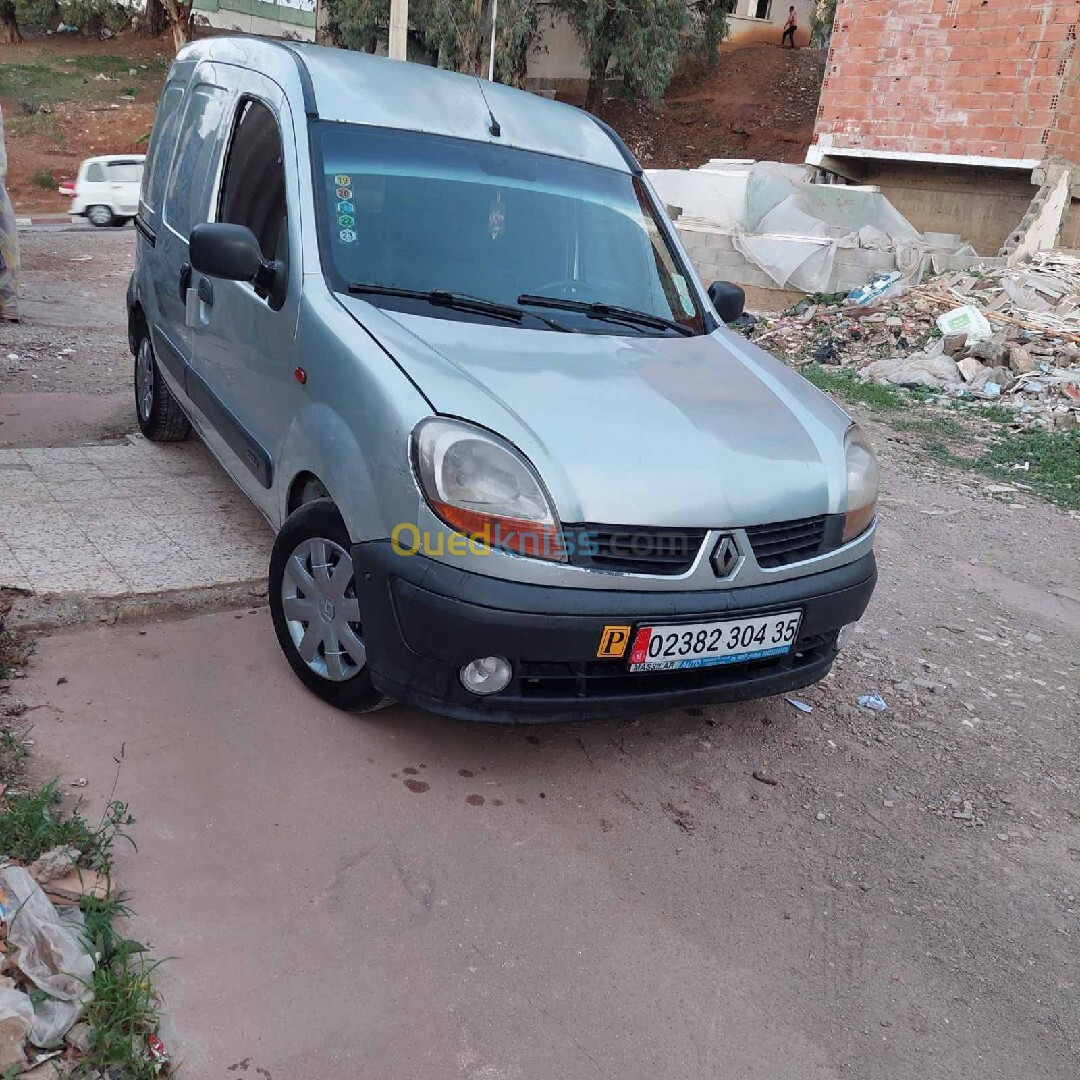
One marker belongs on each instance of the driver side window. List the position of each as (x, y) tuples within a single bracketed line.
[(253, 184)]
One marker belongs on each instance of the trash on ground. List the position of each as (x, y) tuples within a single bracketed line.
[(873, 701), (51, 954), (800, 705), (16, 1019), (1006, 335), (764, 778)]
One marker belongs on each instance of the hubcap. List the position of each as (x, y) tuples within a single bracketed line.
[(99, 215), (144, 379), (318, 597)]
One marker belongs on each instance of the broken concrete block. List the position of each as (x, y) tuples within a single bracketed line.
[(990, 350), (58, 862), (79, 883), (970, 368), (1020, 360), (13, 1032), (79, 1037), (953, 343)]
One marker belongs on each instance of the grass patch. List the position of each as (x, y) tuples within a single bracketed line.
[(848, 386), (105, 64), (44, 124), (43, 178), (124, 1011), (1053, 457)]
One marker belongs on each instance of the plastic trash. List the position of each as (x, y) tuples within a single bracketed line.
[(16, 1017), (800, 705), (875, 288), (51, 953), (873, 701), (965, 320)]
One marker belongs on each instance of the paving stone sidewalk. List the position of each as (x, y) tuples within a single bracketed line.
[(130, 518)]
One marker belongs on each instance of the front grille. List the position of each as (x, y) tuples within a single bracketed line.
[(785, 542), (604, 679), (634, 550)]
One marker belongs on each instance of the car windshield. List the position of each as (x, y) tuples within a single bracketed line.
[(419, 212)]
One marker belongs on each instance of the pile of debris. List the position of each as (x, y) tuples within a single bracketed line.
[(1008, 336)]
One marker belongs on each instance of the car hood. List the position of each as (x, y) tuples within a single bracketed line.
[(706, 431)]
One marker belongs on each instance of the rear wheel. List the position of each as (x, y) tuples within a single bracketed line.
[(315, 609), (99, 215), (160, 417)]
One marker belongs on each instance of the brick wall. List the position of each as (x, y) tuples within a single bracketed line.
[(989, 78)]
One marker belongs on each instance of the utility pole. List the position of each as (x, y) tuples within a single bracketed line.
[(491, 56), (399, 29)]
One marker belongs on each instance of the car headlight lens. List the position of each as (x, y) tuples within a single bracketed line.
[(481, 486), (862, 483)]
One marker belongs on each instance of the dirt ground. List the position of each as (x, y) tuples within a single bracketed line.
[(757, 102), (68, 99), (626, 899)]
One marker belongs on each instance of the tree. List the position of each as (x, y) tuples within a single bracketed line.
[(157, 18), (179, 12), (711, 26), (637, 40), (357, 24), (517, 36), (452, 30), (9, 23), (821, 23)]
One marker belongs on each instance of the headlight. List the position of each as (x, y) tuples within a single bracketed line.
[(481, 486), (862, 483)]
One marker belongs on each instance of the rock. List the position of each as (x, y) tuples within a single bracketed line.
[(13, 1032), (935, 372), (952, 344), (79, 1037), (51, 1070), (820, 815), (990, 350), (971, 369), (1066, 422), (1020, 360), (55, 863)]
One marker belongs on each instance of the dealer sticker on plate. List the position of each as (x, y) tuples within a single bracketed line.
[(694, 645)]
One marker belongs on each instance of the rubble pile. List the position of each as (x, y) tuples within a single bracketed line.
[(1008, 336)]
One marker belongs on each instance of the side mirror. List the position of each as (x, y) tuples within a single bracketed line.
[(727, 299), (226, 251)]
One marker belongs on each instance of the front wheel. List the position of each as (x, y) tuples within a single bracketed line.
[(100, 216), (315, 608)]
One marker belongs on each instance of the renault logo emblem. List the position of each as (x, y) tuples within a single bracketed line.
[(725, 557)]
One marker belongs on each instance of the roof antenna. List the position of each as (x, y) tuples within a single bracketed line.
[(493, 124)]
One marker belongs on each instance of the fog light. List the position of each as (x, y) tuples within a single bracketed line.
[(488, 675), (845, 635)]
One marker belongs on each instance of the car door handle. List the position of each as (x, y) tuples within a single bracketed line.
[(206, 292), (185, 280)]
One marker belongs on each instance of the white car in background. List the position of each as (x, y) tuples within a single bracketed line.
[(106, 189)]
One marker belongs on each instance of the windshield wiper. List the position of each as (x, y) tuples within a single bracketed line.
[(608, 312), (458, 302)]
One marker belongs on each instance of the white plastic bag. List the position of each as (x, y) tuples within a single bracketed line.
[(965, 320), (51, 953)]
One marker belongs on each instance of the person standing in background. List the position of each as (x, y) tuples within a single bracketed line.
[(9, 243), (790, 27)]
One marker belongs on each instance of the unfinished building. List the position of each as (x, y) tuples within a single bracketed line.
[(964, 113)]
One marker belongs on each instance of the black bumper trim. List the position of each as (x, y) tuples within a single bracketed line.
[(423, 620)]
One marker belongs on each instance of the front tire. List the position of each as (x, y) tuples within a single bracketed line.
[(100, 216), (315, 609), (159, 414)]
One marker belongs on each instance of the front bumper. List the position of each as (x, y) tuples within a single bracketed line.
[(424, 620)]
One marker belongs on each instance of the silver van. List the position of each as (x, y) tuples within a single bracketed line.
[(444, 337)]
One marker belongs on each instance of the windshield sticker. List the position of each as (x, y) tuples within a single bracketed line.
[(497, 218), (684, 293), (342, 180), (345, 207), (347, 236)]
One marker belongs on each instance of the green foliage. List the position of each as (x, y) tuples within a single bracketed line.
[(452, 31), (517, 36), (43, 178), (1053, 460), (358, 24), (711, 26), (636, 40), (821, 23)]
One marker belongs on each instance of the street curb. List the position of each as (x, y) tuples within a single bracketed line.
[(53, 611)]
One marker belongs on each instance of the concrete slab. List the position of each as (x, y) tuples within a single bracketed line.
[(123, 520)]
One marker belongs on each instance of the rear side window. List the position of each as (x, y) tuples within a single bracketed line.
[(95, 174), (125, 172), (253, 185), (162, 142), (187, 194)]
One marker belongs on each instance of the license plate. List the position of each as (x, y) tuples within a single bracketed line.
[(694, 645)]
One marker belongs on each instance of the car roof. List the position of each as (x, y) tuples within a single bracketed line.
[(112, 159), (359, 88)]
